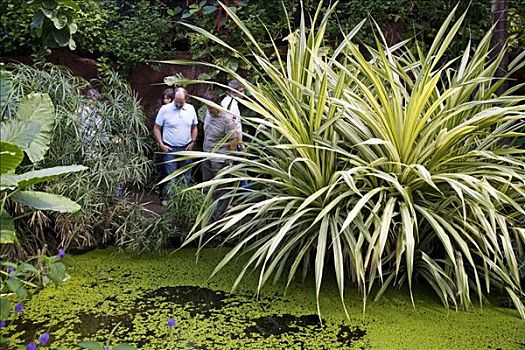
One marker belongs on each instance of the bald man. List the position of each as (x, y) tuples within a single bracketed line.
[(175, 130)]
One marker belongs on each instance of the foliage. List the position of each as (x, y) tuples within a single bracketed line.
[(30, 132), (111, 164), (15, 28), (126, 39), (516, 26), (158, 231), (54, 22), (93, 22), (114, 29), (18, 281), (26, 26), (183, 206), (151, 233), (388, 169), (21, 279)]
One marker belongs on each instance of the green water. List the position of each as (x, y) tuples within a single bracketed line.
[(107, 287)]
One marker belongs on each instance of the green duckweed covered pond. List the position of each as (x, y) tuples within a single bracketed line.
[(140, 293)]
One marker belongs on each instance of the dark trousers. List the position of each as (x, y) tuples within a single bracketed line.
[(170, 165)]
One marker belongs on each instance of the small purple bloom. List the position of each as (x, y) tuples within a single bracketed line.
[(106, 347), (61, 253), (10, 270), (31, 346), (3, 324), (171, 322), (44, 338), (19, 307)]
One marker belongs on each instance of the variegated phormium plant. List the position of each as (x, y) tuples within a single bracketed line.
[(391, 162)]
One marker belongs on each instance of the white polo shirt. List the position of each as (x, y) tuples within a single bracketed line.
[(176, 123), (230, 104)]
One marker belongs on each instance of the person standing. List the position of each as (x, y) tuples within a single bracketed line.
[(220, 136), (93, 131), (175, 130), (168, 95), (231, 104)]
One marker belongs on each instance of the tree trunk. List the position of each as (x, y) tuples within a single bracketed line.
[(499, 14)]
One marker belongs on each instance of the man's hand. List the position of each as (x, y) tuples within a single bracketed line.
[(190, 146), (164, 148)]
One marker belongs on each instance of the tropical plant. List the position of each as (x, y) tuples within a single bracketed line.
[(389, 166), (30, 132), (123, 161), (54, 22)]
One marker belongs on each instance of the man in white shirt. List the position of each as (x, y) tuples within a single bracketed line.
[(175, 130), (231, 104)]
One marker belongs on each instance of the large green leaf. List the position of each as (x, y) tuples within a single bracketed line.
[(6, 80), (38, 176), (7, 228), (46, 201), (16, 286), (57, 272), (10, 157), (38, 108), (8, 181), (19, 132)]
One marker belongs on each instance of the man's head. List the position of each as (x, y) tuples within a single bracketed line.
[(236, 88), (213, 97), (180, 97)]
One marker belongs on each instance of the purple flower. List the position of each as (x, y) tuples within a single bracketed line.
[(44, 338), (31, 346), (19, 307), (10, 270), (106, 347), (3, 324), (61, 253), (171, 322)]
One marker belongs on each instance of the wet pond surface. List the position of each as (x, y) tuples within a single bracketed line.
[(132, 298)]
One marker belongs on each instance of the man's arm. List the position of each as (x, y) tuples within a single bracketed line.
[(158, 138), (231, 130), (194, 133), (194, 130)]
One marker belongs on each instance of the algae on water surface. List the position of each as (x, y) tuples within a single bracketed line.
[(140, 293)]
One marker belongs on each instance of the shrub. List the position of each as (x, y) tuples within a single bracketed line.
[(126, 39), (392, 168), (158, 231), (116, 163)]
